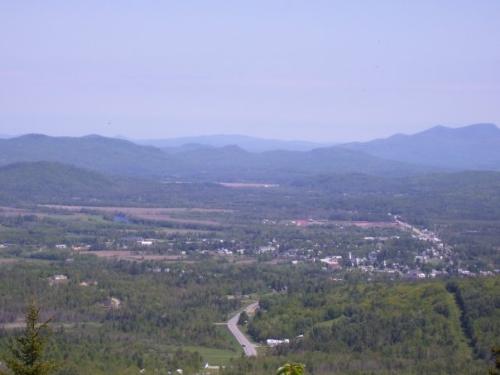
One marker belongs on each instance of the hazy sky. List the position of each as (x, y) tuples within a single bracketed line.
[(316, 70)]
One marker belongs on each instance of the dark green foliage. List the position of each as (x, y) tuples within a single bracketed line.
[(243, 318), (291, 369), (27, 350), (479, 302), (165, 320), (496, 358), (380, 327)]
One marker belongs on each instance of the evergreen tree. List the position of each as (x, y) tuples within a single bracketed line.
[(496, 356), (27, 350)]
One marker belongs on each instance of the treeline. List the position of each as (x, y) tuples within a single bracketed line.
[(479, 303)]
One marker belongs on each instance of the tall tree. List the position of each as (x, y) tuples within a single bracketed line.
[(27, 350), (291, 369), (496, 357)]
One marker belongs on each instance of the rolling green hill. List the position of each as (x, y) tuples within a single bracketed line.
[(43, 180)]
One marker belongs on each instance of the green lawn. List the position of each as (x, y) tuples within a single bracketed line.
[(214, 356)]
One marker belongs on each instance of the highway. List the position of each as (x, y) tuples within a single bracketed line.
[(249, 348)]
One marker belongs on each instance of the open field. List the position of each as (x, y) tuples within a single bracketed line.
[(241, 185), (214, 356), (219, 356), (134, 256), (148, 213), (14, 212), (9, 260)]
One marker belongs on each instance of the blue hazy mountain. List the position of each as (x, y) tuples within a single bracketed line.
[(470, 147), (193, 161), (252, 144), (109, 155)]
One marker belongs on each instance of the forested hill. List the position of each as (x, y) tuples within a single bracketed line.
[(37, 180), (234, 163), (98, 153), (229, 163), (50, 182), (459, 195), (470, 147)]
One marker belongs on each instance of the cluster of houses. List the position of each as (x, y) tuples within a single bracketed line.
[(424, 265)]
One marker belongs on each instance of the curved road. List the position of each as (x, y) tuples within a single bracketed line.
[(249, 348)]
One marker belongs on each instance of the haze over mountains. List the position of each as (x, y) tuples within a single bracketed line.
[(470, 147), (475, 147), (107, 155), (229, 163), (252, 144)]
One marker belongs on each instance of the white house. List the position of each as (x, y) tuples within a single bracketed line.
[(274, 342)]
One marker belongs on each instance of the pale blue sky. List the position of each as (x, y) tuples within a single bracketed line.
[(314, 70)]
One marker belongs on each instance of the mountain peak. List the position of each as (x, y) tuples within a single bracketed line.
[(474, 146), (474, 129)]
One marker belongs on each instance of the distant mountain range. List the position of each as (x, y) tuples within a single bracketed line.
[(234, 163), (252, 144), (109, 155), (475, 147), (194, 162)]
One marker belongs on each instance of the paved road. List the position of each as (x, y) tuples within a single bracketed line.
[(249, 348)]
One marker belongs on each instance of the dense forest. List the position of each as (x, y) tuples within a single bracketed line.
[(430, 328), (166, 320)]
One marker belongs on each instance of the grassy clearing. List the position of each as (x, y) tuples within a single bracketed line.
[(214, 356)]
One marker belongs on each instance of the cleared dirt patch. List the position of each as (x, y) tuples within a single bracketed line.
[(372, 224)]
